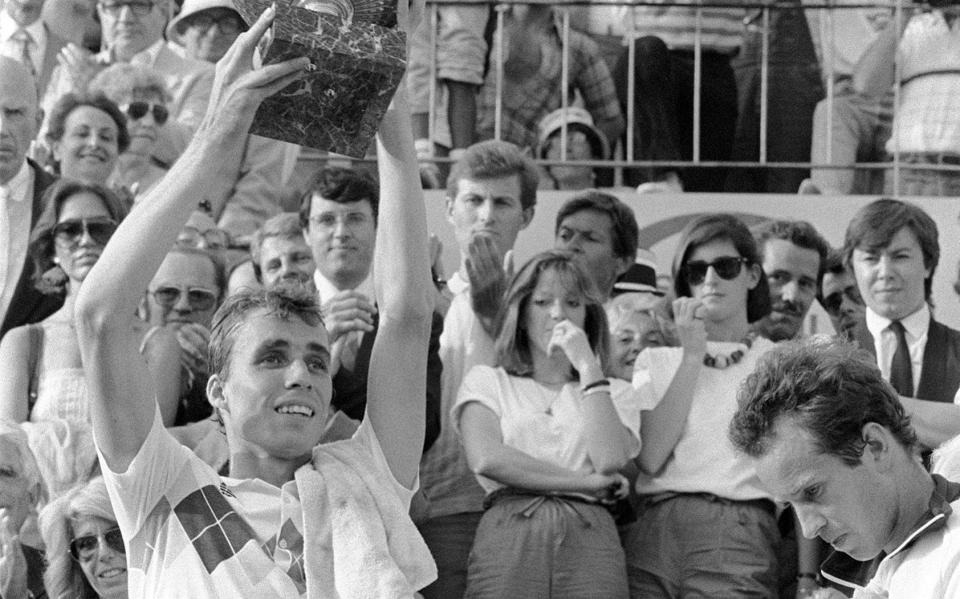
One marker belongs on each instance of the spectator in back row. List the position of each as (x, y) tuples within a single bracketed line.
[(840, 296), (25, 36), (281, 256)]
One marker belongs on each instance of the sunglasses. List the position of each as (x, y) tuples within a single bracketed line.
[(227, 23), (72, 230), (727, 268), (84, 549), (138, 110), (140, 8), (199, 299), (834, 302)]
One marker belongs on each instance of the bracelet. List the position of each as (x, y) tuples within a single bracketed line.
[(595, 384), (812, 576)]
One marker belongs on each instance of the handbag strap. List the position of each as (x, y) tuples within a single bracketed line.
[(35, 339)]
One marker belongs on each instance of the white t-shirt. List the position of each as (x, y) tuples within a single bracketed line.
[(544, 423), (191, 533), (703, 460)]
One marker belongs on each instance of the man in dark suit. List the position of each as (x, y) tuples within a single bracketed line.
[(892, 248), (21, 187), (25, 37), (338, 214)]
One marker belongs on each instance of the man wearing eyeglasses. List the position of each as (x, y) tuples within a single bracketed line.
[(132, 32), (25, 37), (22, 183), (339, 216)]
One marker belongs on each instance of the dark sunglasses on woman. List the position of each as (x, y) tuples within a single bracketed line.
[(84, 549), (71, 230), (138, 110), (727, 268)]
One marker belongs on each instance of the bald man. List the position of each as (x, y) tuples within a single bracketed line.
[(22, 183)]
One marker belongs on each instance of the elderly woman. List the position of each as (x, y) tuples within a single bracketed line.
[(546, 433), (41, 377), (21, 559), (86, 558), (140, 93), (85, 134), (634, 327)]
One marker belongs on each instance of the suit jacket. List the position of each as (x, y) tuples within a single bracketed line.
[(940, 373), (350, 387), (28, 304)]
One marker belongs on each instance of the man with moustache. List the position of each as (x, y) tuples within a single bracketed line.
[(794, 254), (22, 183), (339, 213), (830, 436)]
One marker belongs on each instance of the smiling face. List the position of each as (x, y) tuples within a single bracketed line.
[(589, 235), (106, 571), (76, 256), (489, 206), (631, 331), (88, 149), (286, 260), (854, 509), (550, 303), (276, 397), (722, 299), (891, 279), (17, 495), (342, 240), (792, 275)]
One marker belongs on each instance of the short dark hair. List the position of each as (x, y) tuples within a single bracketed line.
[(70, 101), (798, 232), (721, 227), (512, 342), (623, 223), (41, 239), (493, 159), (874, 226), (285, 225), (282, 303), (829, 387), (833, 265), (343, 186)]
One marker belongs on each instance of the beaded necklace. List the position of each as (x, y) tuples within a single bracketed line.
[(722, 361)]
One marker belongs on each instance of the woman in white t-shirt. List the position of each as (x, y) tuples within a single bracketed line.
[(706, 527), (545, 433)]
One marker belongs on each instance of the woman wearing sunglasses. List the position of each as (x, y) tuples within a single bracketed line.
[(85, 135), (41, 377), (706, 527), (141, 94), (546, 434), (84, 549)]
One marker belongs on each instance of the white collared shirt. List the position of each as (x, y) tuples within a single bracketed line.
[(885, 340), (15, 209), (11, 48)]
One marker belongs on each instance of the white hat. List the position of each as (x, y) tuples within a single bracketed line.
[(576, 118), (192, 7)]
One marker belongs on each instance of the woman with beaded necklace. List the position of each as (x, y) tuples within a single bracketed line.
[(706, 527), (546, 433)]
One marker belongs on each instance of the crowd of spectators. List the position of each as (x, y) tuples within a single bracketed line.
[(181, 347)]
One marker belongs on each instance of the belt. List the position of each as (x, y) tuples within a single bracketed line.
[(766, 505)]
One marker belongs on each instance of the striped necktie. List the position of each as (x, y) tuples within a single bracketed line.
[(23, 37)]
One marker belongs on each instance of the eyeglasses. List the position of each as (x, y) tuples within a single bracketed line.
[(834, 302), (72, 230), (200, 299), (138, 110), (214, 239), (84, 549), (727, 268), (141, 8), (227, 23)]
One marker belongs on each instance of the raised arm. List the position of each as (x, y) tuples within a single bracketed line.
[(122, 400), (398, 363)]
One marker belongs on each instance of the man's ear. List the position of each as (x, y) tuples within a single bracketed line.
[(878, 443), (215, 393), (527, 217)]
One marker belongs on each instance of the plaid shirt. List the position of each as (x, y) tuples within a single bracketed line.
[(526, 102)]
